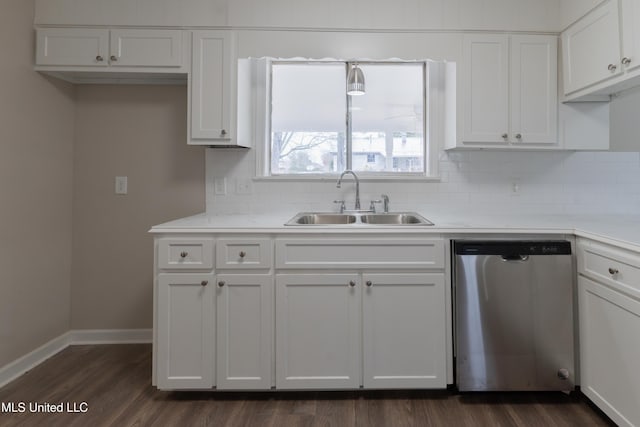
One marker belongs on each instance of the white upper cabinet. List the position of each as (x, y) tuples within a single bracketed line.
[(145, 48), (591, 48), (485, 89), (508, 92), (104, 48), (601, 52), (534, 89), (212, 89), (72, 46), (630, 17)]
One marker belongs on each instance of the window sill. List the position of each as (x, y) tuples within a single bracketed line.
[(333, 178)]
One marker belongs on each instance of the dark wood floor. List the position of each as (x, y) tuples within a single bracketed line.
[(114, 381)]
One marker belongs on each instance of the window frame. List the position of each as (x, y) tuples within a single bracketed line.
[(262, 125)]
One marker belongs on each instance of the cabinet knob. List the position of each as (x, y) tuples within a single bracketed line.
[(221, 284), (613, 271), (505, 136), (113, 58), (99, 58), (626, 61), (184, 254), (204, 283), (369, 283), (223, 132), (612, 67), (518, 136), (242, 254), (352, 284)]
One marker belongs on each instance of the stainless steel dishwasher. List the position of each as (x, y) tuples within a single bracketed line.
[(514, 316)]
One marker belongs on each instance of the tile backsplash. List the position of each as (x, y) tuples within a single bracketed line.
[(482, 182)]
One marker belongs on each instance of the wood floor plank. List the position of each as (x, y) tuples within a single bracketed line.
[(114, 380)]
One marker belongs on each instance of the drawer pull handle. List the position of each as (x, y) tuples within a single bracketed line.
[(626, 61), (369, 283), (99, 58), (221, 284), (612, 68), (184, 254), (204, 283), (352, 284), (613, 271), (243, 254)]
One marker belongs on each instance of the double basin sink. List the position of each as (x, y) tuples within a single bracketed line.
[(359, 218)]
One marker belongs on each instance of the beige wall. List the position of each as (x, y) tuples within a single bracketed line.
[(139, 132), (36, 143)]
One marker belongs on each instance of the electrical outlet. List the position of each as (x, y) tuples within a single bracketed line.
[(220, 186), (515, 188), (244, 186), (121, 185)]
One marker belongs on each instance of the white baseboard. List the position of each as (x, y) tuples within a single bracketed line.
[(29, 361), (110, 336)]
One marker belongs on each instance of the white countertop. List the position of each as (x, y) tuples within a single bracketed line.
[(623, 231)]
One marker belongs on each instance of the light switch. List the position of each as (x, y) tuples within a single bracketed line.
[(121, 185)]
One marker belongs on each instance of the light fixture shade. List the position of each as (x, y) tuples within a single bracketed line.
[(355, 81)]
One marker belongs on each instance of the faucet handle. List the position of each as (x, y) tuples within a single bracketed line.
[(372, 206), (341, 202), (385, 200)]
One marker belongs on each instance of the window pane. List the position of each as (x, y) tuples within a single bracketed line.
[(308, 108), (388, 120)]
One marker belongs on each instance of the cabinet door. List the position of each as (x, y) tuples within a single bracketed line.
[(591, 48), (610, 350), (404, 324), (485, 89), (210, 87), (145, 48), (630, 15), (318, 324), (186, 331), (72, 46), (534, 89), (244, 323)]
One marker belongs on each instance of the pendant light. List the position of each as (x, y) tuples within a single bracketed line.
[(355, 81)]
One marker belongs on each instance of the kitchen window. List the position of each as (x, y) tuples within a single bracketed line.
[(313, 129)]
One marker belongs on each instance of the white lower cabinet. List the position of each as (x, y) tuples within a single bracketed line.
[(404, 336), (610, 350), (185, 331), (378, 330), (318, 331), (609, 319), (338, 313), (244, 331)]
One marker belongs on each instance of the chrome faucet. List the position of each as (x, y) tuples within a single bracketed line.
[(357, 207)]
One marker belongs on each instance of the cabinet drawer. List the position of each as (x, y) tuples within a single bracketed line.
[(183, 254), (360, 253), (615, 267), (243, 253)]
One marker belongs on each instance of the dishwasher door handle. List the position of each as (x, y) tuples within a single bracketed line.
[(515, 257)]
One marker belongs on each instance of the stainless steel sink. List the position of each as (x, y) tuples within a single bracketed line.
[(404, 218), (359, 219), (321, 219)]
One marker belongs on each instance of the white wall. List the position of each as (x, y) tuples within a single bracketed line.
[(36, 163), (514, 15), (624, 123), (572, 10)]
